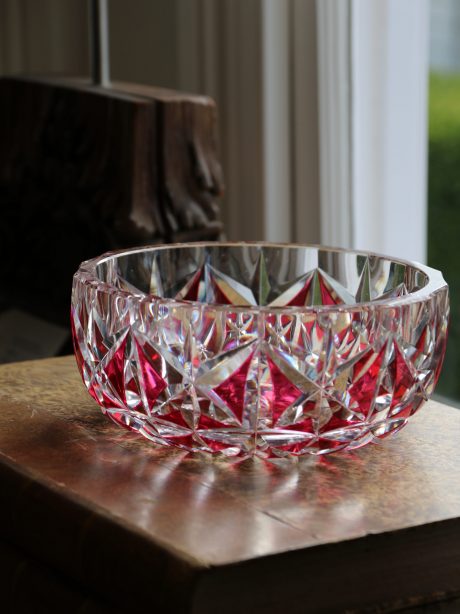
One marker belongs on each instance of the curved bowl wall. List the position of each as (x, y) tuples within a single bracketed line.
[(265, 349)]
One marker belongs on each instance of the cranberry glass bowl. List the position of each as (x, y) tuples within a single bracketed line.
[(266, 349)]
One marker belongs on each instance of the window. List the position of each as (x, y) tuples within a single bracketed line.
[(444, 171)]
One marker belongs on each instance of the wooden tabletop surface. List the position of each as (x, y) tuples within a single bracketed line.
[(84, 495)]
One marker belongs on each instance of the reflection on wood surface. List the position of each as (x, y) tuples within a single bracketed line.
[(110, 509)]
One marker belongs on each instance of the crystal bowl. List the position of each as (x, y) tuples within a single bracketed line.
[(258, 349)]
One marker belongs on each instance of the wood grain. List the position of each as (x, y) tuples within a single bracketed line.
[(376, 530), (84, 170)]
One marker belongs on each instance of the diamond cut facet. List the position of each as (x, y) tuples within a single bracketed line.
[(258, 349)]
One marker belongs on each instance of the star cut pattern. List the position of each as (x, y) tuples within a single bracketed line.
[(221, 376)]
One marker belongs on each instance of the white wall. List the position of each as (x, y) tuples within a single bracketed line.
[(373, 110)]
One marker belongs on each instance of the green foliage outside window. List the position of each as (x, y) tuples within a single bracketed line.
[(444, 210)]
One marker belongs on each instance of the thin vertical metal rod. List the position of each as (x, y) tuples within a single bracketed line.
[(99, 42)]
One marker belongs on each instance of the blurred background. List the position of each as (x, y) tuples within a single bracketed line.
[(339, 120), (236, 51), (444, 170)]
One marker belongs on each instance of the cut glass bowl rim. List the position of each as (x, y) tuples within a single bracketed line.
[(86, 274)]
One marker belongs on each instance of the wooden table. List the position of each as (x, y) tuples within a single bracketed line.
[(93, 519)]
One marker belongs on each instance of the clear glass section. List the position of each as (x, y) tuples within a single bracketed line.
[(243, 349), (257, 274)]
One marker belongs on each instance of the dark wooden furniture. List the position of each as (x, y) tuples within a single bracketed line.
[(86, 169), (94, 519)]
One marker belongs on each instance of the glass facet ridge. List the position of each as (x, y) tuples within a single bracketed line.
[(258, 349)]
